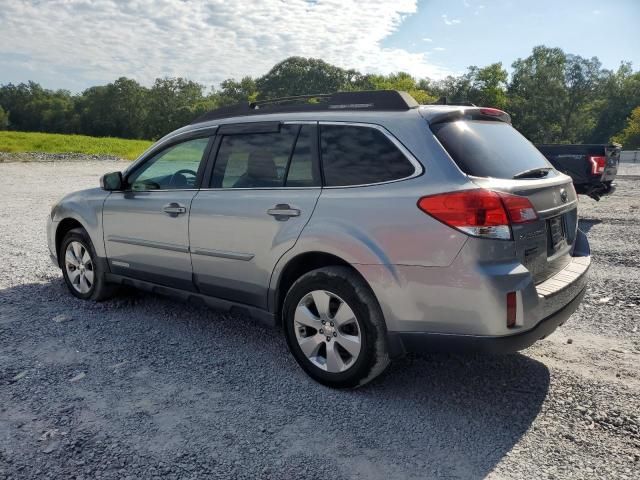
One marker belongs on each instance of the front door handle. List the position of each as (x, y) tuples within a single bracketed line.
[(174, 209), (282, 212)]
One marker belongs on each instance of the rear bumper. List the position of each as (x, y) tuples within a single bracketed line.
[(420, 342), (463, 307)]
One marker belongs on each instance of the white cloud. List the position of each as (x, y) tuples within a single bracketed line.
[(427, 40), (207, 41), (439, 49), (452, 21)]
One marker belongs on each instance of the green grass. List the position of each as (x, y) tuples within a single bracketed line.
[(56, 143)]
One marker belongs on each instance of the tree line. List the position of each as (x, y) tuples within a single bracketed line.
[(552, 96)]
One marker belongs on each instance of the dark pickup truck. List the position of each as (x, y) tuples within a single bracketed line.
[(592, 167)]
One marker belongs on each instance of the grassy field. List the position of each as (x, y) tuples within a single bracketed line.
[(55, 143)]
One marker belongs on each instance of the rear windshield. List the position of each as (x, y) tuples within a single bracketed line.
[(488, 148)]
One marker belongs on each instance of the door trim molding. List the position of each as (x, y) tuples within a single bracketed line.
[(148, 243), (245, 257)]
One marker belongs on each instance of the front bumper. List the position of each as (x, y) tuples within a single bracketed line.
[(420, 342), (51, 239)]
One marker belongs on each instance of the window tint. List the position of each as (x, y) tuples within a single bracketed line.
[(173, 168), (254, 160), (360, 155), (488, 148), (303, 171)]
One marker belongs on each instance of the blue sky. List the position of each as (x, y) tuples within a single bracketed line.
[(480, 32), (74, 44)]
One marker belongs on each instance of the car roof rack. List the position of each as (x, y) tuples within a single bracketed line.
[(374, 100)]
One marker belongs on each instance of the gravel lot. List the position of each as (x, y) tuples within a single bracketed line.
[(142, 386)]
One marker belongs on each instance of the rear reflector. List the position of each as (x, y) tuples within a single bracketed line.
[(512, 309), (597, 165), (479, 212)]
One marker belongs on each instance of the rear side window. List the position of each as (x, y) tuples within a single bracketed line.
[(267, 160), (353, 155), (303, 170), (488, 148)]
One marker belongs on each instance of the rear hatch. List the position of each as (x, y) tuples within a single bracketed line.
[(497, 157)]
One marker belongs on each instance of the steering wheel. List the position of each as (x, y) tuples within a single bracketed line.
[(182, 172)]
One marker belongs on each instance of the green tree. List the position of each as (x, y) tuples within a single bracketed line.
[(629, 137), (50, 112), (552, 97), (18, 99), (304, 76), (537, 94), (618, 94), (395, 81), (482, 86), (4, 119), (489, 85), (129, 107), (33, 108), (232, 91), (173, 102), (582, 78), (118, 109)]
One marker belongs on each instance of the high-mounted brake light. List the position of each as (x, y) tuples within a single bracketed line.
[(479, 212), (597, 165), (494, 112)]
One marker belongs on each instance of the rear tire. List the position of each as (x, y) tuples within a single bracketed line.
[(335, 328), (82, 272)]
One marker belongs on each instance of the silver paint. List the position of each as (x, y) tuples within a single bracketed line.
[(232, 245)]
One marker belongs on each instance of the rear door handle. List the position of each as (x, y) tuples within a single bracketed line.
[(174, 209), (282, 212)]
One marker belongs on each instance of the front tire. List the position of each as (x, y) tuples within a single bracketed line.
[(82, 272), (335, 328)]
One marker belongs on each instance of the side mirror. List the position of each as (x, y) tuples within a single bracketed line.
[(112, 181)]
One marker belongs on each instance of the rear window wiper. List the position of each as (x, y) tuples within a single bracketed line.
[(534, 172)]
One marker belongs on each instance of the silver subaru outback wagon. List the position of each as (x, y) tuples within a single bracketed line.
[(363, 224)]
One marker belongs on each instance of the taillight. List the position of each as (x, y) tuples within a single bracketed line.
[(519, 208), (479, 212), (597, 165)]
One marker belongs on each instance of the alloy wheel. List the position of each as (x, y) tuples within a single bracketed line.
[(327, 331), (79, 267)]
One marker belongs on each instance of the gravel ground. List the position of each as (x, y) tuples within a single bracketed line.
[(142, 386)]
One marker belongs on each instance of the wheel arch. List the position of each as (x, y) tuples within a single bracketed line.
[(296, 266), (67, 224)]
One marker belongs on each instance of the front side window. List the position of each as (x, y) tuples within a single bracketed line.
[(175, 168), (266, 160), (354, 155)]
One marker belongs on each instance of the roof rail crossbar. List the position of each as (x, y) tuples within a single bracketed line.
[(375, 100), (298, 98)]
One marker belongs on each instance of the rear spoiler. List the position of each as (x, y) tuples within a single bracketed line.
[(473, 113)]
